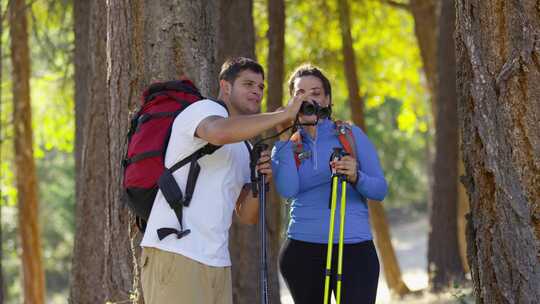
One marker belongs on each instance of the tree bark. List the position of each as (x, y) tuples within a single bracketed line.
[(25, 169), (101, 259), (462, 210), (377, 215), (498, 55), (235, 16), (444, 264)]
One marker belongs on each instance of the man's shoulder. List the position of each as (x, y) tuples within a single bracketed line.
[(206, 103), (201, 109)]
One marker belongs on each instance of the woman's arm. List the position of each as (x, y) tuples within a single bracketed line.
[(284, 169), (370, 181)]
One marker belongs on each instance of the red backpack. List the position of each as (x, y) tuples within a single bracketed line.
[(148, 137)]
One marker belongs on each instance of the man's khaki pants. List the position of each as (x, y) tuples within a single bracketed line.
[(172, 278)]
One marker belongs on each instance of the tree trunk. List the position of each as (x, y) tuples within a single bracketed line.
[(276, 75), (349, 61), (499, 101), (377, 215), (101, 260), (444, 264), (425, 14), (163, 43), (25, 169)]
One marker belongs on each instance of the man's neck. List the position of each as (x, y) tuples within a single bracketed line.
[(230, 107)]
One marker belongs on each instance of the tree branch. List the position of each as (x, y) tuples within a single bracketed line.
[(400, 5)]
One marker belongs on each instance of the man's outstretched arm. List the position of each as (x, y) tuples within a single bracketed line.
[(225, 130)]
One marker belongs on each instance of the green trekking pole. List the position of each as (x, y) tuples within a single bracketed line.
[(341, 237), (336, 155), (330, 239)]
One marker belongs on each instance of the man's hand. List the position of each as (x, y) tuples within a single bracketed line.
[(293, 106), (264, 166)]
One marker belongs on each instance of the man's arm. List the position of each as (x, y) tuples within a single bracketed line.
[(220, 130), (247, 206)]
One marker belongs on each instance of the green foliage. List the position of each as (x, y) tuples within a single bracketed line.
[(56, 175), (51, 41), (402, 154)]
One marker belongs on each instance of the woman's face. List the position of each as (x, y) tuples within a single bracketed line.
[(313, 89)]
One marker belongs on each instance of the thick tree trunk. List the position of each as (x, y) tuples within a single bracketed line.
[(101, 255), (444, 261), (498, 55), (25, 169), (148, 41), (163, 43), (377, 215), (171, 40)]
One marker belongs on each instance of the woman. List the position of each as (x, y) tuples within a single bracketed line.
[(304, 178)]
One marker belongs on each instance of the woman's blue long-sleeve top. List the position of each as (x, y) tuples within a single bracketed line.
[(308, 187)]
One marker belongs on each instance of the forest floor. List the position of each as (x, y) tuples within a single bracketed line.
[(409, 237)]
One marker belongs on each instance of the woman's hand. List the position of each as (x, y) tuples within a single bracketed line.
[(347, 166)]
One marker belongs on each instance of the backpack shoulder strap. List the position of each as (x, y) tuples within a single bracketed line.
[(298, 148), (346, 138), (176, 200)]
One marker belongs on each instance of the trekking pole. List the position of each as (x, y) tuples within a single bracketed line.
[(263, 273), (336, 155), (341, 237)]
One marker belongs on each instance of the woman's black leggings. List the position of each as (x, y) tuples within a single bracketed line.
[(303, 265)]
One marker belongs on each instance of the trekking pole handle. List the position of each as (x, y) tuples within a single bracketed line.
[(254, 159), (337, 155)]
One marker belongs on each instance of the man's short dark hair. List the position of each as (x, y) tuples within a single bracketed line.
[(234, 66), (310, 70)]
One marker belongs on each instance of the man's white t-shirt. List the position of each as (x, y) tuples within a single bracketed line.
[(220, 181)]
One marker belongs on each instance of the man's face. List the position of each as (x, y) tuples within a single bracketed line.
[(246, 92)]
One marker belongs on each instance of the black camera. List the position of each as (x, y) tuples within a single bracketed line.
[(312, 108)]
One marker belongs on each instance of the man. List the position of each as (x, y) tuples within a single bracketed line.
[(196, 267)]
